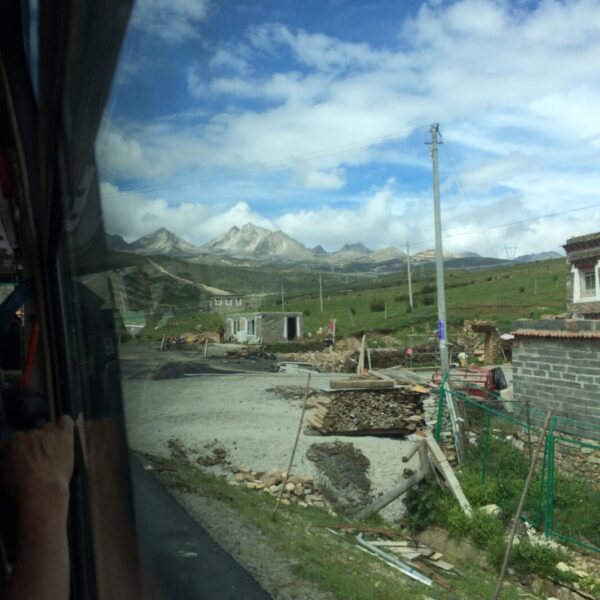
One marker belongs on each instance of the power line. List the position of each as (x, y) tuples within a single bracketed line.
[(250, 169), (519, 222), (461, 186)]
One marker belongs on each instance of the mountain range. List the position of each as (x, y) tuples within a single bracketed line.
[(257, 244)]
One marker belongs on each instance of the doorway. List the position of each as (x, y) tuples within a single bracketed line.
[(291, 328)]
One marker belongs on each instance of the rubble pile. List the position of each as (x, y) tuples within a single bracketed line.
[(425, 354), (256, 352), (397, 411), (301, 490), (382, 358), (328, 361)]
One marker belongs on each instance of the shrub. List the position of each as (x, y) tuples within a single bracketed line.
[(428, 289), (539, 559), (478, 493), (377, 305), (353, 310), (457, 522), (421, 505), (521, 289), (306, 312), (428, 300), (486, 530)]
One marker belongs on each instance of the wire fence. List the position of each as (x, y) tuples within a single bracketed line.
[(499, 437)]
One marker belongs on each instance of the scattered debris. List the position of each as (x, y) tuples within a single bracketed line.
[(177, 449), (219, 456), (301, 490), (431, 461), (328, 361), (176, 370), (295, 392), (401, 566), (251, 352), (361, 382), (343, 470)]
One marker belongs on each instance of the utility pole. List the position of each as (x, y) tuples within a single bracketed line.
[(321, 290), (282, 301), (410, 298), (439, 255)]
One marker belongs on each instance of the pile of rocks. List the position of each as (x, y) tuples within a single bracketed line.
[(394, 411), (301, 490)]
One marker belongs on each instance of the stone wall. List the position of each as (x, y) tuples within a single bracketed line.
[(556, 365)]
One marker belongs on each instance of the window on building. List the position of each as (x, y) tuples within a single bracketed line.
[(236, 327), (251, 328), (588, 283), (228, 301), (218, 301), (238, 301)]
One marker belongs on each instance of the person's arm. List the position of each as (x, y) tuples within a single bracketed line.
[(37, 467)]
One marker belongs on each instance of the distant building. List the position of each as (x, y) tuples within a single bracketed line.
[(226, 303), (583, 279), (265, 327)]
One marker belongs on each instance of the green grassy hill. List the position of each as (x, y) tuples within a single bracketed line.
[(501, 294), (359, 302)]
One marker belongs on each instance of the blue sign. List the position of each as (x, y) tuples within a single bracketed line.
[(441, 335)]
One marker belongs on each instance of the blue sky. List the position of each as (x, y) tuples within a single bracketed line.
[(312, 117)]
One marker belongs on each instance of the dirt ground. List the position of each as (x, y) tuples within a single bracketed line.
[(248, 418)]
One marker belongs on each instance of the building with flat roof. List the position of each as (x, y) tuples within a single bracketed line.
[(265, 327), (583, 280)]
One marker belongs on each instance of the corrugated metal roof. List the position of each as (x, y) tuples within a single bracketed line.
[(594, 335)]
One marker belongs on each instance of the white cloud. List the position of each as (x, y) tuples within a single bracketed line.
[(172, 20), (386, 217), (322, 180), (514, 86), (132, 215)]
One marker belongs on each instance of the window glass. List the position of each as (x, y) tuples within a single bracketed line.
[(287, 158), (589, 278)]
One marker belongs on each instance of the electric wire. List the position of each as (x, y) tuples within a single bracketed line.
[(467, 197)]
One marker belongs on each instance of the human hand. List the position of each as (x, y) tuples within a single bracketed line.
[(40, 460)]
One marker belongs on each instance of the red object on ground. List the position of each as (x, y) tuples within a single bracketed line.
[(474, 380)]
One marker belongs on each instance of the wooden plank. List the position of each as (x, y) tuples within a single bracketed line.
[(389, 533), (442, 564), (387, 432), (361, 384), (314, 422), (420, 389), (381, 375), (392, 543), (448, 474), (405, 553), (360, 367), (390, 496)]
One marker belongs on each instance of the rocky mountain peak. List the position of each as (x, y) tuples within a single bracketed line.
[(358, 247)]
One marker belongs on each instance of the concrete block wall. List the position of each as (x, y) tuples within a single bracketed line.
[(558, 372), (272, 328)]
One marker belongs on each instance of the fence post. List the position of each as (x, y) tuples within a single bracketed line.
[(538, 509), (486, 445), (549, 516), (440, 410)]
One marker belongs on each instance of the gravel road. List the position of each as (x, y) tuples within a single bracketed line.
[(255, 426)]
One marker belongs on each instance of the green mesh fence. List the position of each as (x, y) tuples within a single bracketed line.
[(499, 440)]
